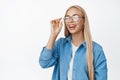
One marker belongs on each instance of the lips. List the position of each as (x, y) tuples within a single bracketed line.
[(72, 26)]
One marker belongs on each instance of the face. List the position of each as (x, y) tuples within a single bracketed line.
[(74, 21)]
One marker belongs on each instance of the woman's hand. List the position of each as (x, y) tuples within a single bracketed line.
[(56, 26)]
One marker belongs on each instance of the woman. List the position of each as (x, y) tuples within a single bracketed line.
[(75, 57)]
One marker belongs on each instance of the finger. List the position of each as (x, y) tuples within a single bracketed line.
[(53, 23), (58, 21), (60, 18), (61, 24)]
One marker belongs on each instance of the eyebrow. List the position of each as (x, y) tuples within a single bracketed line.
[(74, 15)]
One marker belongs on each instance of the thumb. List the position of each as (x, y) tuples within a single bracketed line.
[(61, 24)]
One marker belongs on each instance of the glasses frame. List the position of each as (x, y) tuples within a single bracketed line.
[(71, 18)]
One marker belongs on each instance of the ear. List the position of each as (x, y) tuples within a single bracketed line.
[(83, 22), (83, 26), (83, 19)]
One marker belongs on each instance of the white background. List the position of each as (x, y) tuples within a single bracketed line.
[(25, 28)]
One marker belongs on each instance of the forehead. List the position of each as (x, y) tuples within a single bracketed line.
[(73, 11)]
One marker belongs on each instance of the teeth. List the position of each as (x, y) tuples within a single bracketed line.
[(72, 26)]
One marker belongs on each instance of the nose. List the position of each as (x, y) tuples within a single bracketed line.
[(71, 19)]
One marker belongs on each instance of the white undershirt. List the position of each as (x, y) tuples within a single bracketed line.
[(74, 48)]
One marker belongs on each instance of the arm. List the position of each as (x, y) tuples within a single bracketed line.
[(49, 54), (101, 66), (49, 57)]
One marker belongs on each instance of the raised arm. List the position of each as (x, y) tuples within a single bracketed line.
[(49, 54)]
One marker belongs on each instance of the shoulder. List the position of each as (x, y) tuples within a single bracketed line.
[(61, 40), (99, 56), (96, 46), (97, 49)]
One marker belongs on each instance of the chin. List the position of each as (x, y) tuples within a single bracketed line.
[(72, 32)]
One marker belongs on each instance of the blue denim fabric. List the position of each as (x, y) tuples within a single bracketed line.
[(60, 56)]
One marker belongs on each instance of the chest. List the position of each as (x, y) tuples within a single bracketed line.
[(79, 61)]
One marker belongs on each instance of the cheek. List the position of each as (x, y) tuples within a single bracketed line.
[(67, 25), (80, 24)]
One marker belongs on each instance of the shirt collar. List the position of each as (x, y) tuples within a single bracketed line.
[(70, 37)]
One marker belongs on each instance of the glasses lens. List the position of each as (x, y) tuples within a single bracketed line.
[(67, 18), (75, 18)]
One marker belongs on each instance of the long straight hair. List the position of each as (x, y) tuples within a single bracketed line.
[(88, 40)]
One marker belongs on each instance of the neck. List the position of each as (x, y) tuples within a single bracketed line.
[(77, 39)]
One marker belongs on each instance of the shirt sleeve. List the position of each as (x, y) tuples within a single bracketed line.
[(100, 67), (49, 57)]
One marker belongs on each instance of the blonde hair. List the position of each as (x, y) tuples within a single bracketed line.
[(88, 40)]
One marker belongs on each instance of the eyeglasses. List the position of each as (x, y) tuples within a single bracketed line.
[(74, 18)]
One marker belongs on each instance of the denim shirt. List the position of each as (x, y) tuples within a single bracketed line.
[(60, 56)]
